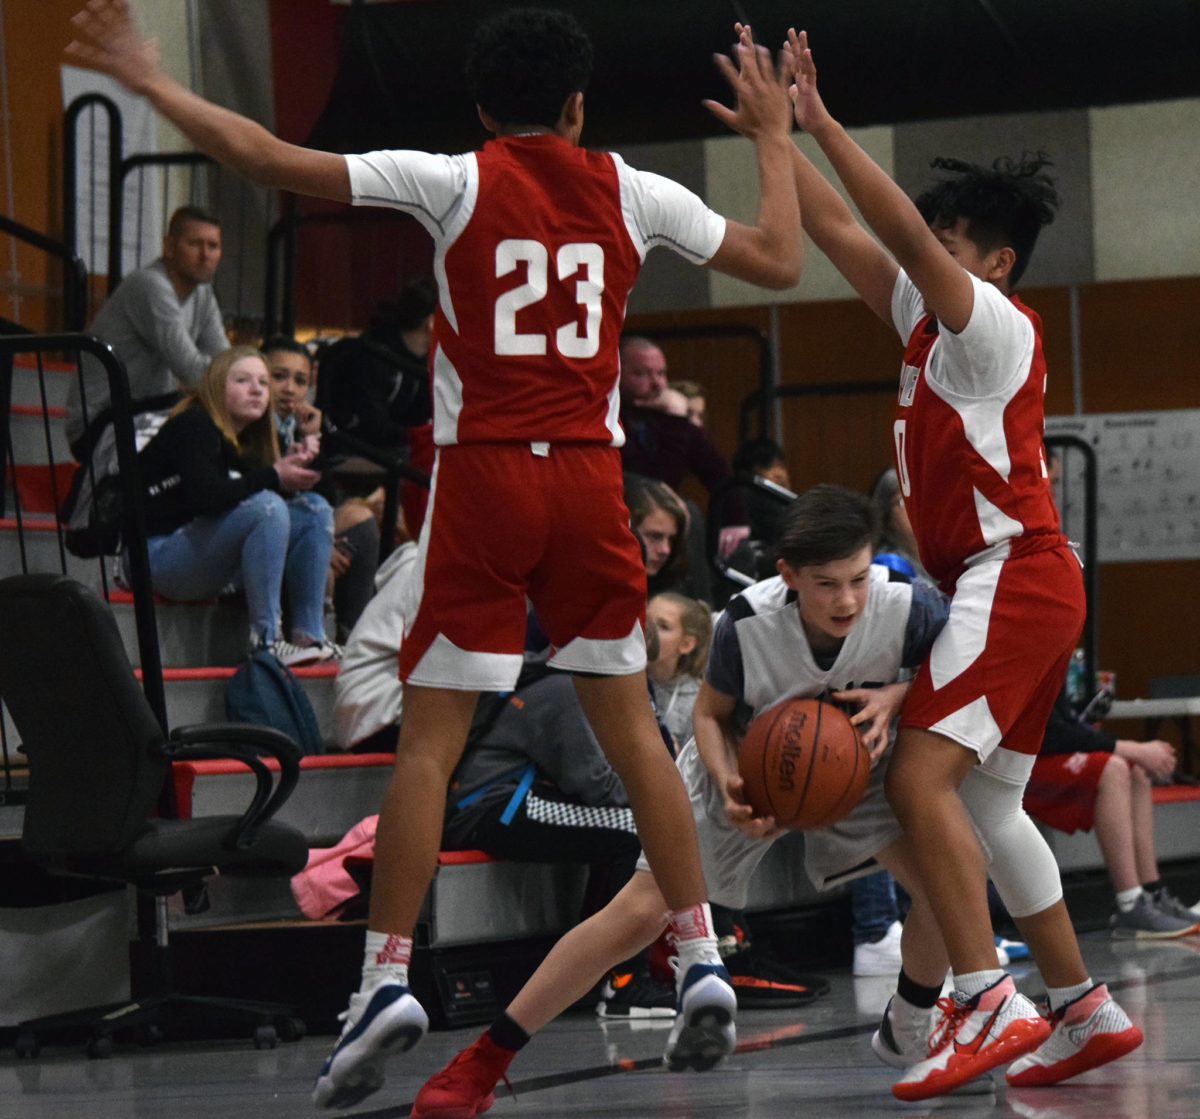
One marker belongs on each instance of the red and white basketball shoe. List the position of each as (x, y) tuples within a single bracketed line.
[(1089, 1032), (974, 1035)]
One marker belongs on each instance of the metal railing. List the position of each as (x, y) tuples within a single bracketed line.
[(74, 275), (113, 178), (36, 348)]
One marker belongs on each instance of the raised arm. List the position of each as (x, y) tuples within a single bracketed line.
[(109, 41), (768, 253), (867, 266), (890, 213)]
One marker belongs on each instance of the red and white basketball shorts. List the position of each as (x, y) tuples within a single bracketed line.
[(506, 523), (995, 669), (1062, 789)]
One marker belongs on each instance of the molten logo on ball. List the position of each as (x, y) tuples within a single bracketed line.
[(791, 752), (803, 764)]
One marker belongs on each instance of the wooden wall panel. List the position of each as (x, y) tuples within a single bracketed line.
[(1141, 345), (35, 33)]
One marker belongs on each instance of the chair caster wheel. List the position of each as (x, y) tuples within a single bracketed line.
[(100, 1047), (27, 1045), (150, 1035), (265, 1037), (291, 1029)]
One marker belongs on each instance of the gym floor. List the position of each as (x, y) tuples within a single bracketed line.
[(815, 1061)]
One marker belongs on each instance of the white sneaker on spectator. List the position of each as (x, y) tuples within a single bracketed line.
[(1168, 903), (291, 655), (1146, 921), (881, 957)]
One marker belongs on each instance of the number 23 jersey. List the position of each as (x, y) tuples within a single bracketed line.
[(537, 245)]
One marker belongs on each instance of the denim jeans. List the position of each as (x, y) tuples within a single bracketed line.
[(261, 545), (873, 906)]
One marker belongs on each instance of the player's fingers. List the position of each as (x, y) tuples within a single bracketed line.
[(106, 14), (724, 114), (81, 52), (728, 71)]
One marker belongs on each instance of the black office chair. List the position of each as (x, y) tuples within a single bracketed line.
[(98, 762)]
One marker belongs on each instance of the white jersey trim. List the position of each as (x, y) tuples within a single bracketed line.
[(659, 211), (964, 636)]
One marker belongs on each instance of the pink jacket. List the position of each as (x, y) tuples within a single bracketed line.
[(325, 884)]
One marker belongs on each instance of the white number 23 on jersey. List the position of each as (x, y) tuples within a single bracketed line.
[(568, 261)]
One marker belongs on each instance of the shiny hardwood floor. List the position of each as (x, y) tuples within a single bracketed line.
[(813, 1062)]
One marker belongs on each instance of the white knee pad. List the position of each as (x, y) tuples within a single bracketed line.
[(1019, 860)]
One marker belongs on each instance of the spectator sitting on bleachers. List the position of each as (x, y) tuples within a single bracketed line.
[(376, 386), (660, 442), (693, 393), (684, 628), (759, 458), (1087, 779), (659, 520), (222, 508), (355, 555), (897, 547), (163, 324)]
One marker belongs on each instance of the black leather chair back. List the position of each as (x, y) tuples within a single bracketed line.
[(94, 747)]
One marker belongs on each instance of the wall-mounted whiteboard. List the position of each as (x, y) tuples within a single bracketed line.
[(1148, 475)]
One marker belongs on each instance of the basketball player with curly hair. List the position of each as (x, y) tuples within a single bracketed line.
[(968, 454)]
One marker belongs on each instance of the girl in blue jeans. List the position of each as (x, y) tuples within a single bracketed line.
[(224, 508)]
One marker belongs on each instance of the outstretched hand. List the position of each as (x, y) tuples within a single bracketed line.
[(806, 102), (760, 89), (110, 42)]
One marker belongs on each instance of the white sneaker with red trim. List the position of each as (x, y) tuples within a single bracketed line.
[(1089, 1032), (974, 1035)]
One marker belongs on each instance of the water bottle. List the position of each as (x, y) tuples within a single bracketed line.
[(1077, 680)]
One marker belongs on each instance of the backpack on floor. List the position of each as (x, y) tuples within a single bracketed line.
[(265, 691)]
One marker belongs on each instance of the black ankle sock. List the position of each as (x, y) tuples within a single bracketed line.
[(507, 1034), (913, 992), (1152, 888)]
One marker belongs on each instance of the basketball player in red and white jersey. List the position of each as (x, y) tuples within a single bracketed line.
[(537, 245), (968, 451)]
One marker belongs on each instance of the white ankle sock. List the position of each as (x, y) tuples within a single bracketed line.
[(385, 960), (694, 940), (1058, 997), (975, 982), (1127, 899)]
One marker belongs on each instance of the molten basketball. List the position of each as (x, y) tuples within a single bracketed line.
[(802, 762)]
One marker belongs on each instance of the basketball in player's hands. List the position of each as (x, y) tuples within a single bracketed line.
[(803, 763)]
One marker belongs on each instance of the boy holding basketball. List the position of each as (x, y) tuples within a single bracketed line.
[(538, 243), (968, 452), (829, 624)]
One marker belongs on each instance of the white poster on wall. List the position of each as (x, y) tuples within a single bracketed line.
[(142, 223), (1148, 483)]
